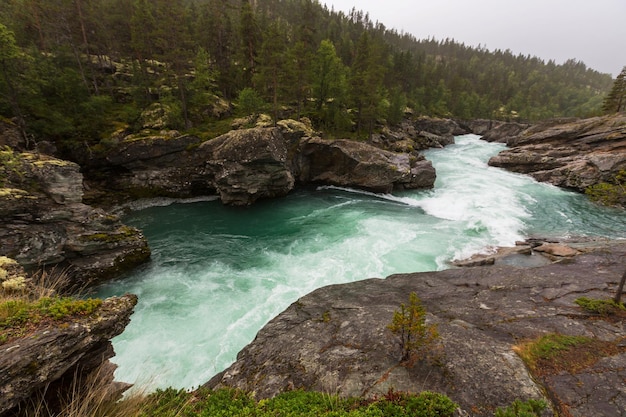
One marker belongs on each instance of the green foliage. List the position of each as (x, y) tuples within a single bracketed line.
[(16, 313), (609, 193), (233, 403), (529, 408), (547, 348), (71, 76), (409, 324), (10, 165), (250, 102), (615, 101), (602, 307)]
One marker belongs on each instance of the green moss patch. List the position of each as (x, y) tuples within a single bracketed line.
[(18, 316), (554, 353)]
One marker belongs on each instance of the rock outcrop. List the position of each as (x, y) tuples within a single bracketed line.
[(495, 130), (336, 339), (57, 353), (248, 165), (164, 164), (355, 164), (569, 153), (422, 133), (43, 222)]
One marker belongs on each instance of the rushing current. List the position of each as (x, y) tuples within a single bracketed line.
[(218, 274)]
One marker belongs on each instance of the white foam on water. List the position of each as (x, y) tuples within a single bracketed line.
[(218, 275)]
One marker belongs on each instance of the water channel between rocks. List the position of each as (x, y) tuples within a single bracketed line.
[(218, 274)]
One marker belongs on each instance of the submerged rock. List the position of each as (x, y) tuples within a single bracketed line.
[(336, 338)]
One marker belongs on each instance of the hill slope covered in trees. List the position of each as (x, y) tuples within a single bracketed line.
[(77, 70)]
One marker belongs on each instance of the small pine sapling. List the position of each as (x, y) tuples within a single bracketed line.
[(409, 324)]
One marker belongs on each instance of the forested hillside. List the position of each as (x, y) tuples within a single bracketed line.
[(77, 70)]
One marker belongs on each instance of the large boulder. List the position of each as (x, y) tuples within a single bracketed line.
[(54, 358), (249, 164), (355, 164), (336, 339), (569, 153), (43, 222)]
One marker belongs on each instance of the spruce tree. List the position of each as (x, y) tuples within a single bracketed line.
[(615, 101)]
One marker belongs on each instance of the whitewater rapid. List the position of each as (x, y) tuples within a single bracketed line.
[(218, 274)]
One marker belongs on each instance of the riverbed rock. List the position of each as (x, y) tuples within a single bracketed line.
[(349, 163), (569, 153), (414, 135), (336, 338), (249, 164), (44, 224), (52, 356), (502, 132), (147, 164)]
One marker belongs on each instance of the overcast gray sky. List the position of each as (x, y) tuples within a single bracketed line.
[(592, 31)]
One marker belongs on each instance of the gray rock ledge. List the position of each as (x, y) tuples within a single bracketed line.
[(335, 339)]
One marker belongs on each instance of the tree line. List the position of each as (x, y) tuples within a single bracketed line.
[(75, 70)]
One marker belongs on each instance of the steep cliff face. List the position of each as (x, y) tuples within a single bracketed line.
[(336, 339), (57, 354), (570, 153), (44, 223)]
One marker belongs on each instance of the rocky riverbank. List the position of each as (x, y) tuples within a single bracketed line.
[(45, 225), (48, 354), (336, 339), (573, 153)]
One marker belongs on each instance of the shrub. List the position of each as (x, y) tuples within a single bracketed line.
[(249, 101), (409, 324), (13, 284), (529, 408), (430, 404), (603, 307)]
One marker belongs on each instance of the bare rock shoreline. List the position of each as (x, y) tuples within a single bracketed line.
[(336, 339)]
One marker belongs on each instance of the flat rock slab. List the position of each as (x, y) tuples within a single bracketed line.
[(336, 338)]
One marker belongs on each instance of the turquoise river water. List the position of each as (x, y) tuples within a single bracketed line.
[(218, 274)]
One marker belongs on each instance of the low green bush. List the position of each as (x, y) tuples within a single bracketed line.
[(15, 313), (233, 403), (603, 307), (529, 408)]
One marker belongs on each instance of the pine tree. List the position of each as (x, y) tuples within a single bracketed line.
[(250, 38), (11, 66), (615, 101), (329, 83), (272, 62)]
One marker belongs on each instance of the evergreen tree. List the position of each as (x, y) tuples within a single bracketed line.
[(615, 101), (250, 38), (366, 83), (12, 67), (328, 75), (272, 64)]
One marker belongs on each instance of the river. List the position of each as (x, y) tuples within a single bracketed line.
[(218, 274)]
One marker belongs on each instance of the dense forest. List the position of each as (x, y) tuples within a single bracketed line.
[(77, 70)]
